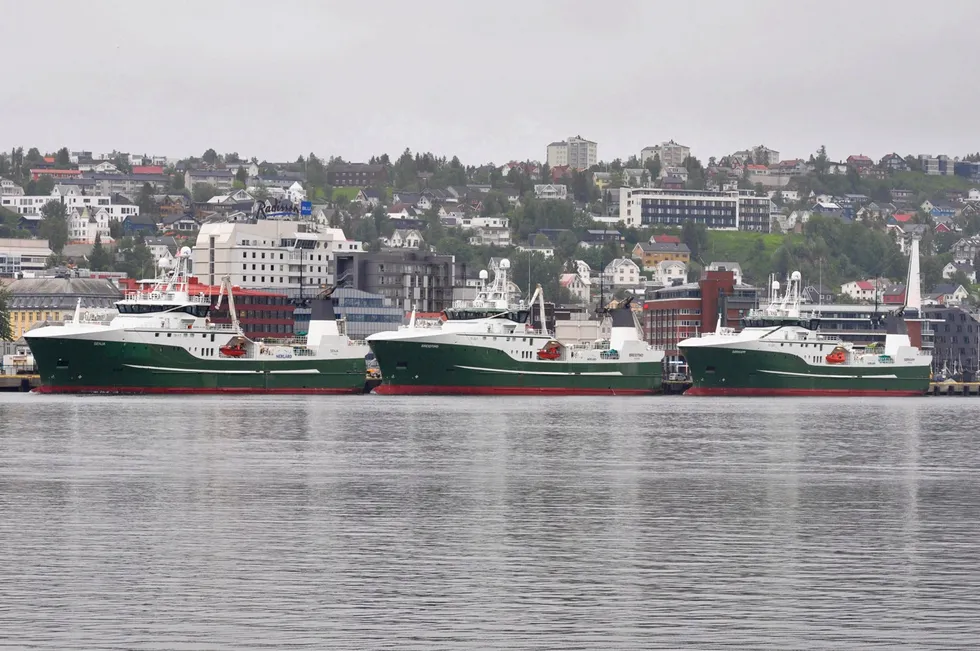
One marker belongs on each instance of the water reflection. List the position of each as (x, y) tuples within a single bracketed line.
[(503, 523)]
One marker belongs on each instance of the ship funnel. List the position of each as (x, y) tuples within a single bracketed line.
[(323, 322)]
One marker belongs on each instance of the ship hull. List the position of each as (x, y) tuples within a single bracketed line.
[(414, 368), (731, 371), (89, 365)]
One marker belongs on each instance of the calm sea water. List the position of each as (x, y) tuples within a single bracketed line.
[(464, 523)]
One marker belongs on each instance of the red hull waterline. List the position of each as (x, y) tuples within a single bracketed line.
[(856, 393), (190, 391), (435, 390)]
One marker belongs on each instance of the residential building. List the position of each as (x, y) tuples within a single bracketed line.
[(404, 238), (738, 210), (557, 154), (762, 155), (622, 272), (8, 188), (937, 166), (170, 204), (860, 162), (667, 272), (582, 153), (178, 223), (228, 203), (275, 255), (163, 249), (408, 279), (902, 194), (731, 267), (893, 163), (669, 171), (139, 225), (490, 236), (357, 175), (50, 300), (471, 223), (576, 286), (220, 179), (551, 191), (128, 184), (671, 154), (966, 249), (599, 237), (368, 197), (861, 290), (659, 249), (72, 198), (966, 268), (949, 294), (87, 223), (967, 169), (18, 255), (546, 251), (677, 312), (54, 173)]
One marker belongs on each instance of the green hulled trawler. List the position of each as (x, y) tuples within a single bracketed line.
[(780, 353), (162, 341), (489, 347)]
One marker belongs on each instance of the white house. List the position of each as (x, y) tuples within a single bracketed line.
[(668, 272), (622, 272), (482, 222), (453, 214), (404, 238), (946, 294), (238, 196), (576, 287), (296, 192), (967, 268), (402, 211), (9, 188), (72, 198), (546, 251), (368, 197), (861, 290), (734, 267), (583, 269), (85, 223), (489, 236), (551, 191)]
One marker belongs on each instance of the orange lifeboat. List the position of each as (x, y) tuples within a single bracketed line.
[(837, 356), (232, 351), (551, 351)]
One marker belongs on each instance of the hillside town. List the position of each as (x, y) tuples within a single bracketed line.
[(414, 232)]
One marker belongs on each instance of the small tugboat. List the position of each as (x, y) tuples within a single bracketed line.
[(162, 341), (488, 347)]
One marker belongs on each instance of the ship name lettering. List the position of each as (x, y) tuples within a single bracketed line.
[(428, 345)]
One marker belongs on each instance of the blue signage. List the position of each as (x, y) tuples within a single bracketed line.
[(306, 208)]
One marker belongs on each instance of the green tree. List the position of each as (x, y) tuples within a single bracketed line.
[(177, 180), (99, 259), (203, 191), (210, 157), (145, 200), (653, 166), (6, 330), (567, 245), (54, 225), (820, 162), (115, 230), (695, 236), (241, 176), (122, 164), (63, 158), (42, 187)]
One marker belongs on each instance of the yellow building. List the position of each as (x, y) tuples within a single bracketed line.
[(650, 254), (51, 300)]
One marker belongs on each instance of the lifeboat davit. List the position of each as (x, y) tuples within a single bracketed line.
[(232, 351), (837, 356)]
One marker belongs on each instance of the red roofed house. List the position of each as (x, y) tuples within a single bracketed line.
[(859, 290), (558, 172), (665, 239), (902, 217), (894, 295), (575, 286), (147, 169), (49, 159), (55, 174)]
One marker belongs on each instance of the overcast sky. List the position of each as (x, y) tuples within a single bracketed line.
[(491, 81)]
